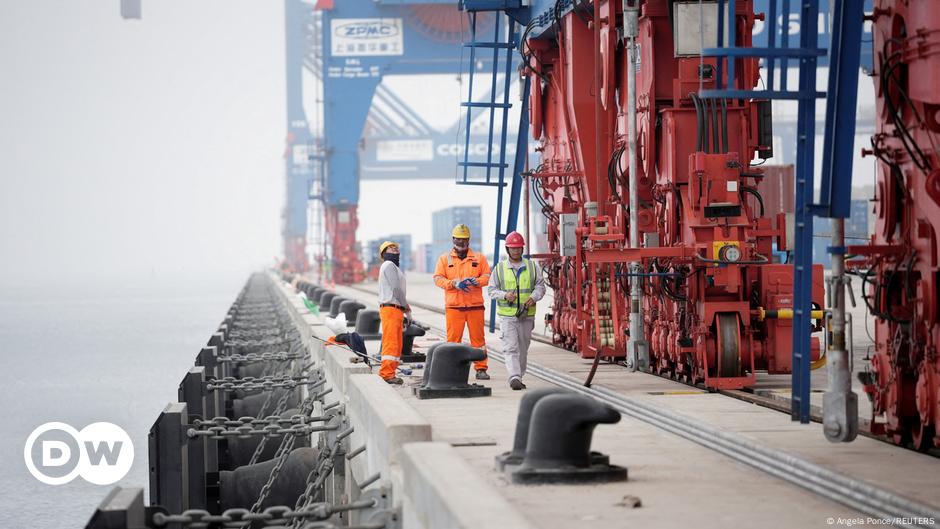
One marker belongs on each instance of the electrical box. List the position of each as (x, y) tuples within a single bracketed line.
[(696, 24), (569, 242)]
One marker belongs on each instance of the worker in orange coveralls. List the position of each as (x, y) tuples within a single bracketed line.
[(394, 310), (463, 273)]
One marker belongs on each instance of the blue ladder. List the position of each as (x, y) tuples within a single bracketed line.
[(489, 172), (806, 95), (491, 105)]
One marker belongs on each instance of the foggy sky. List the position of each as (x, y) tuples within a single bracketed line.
[(142, 149), (139, 148)]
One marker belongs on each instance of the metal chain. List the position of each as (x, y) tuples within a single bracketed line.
[(264, 383), (262, 331), (268, 517), (283, 451), (281, 404), (317, 477), (266, 403), (300, 418), (220, 432), (254, 358)]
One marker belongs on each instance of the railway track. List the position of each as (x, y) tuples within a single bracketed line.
[(857, 494), (752, 396)]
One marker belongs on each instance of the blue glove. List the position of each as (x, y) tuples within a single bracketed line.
[(464, 285), (473, 281)]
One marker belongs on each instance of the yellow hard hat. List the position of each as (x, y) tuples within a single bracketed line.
[(461, 231), (385, 245)]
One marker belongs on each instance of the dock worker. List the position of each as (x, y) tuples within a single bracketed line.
[(516, 286), (462, 274), (394, 310)]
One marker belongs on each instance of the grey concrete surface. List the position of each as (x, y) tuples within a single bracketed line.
[(443, 490), (338, 367), (679, 483)]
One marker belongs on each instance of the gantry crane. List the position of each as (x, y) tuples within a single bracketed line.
[(349, 47)]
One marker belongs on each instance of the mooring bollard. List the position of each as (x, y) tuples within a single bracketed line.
[(369, 324), (351, 309), (447, 370), (510, 461), (334, 305), (326, 298), (558, 448), (408, 342)]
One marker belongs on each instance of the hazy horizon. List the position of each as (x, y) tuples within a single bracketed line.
[(134, 150), (151, 150)]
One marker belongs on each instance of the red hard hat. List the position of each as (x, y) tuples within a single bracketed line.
[(515, 240)]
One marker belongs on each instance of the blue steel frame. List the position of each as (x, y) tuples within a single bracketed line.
[(349, 84), (806, 96), (513, 13), (835, 197), (299, 175), (515, 189)]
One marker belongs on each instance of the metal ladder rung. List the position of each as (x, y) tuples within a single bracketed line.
[(762, 94), (485, 184), (486, 105), (483, 164), (491, 45), (776, 53)]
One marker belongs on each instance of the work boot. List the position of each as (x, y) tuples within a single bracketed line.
[(395, 381), (482, 375), (516, 384)]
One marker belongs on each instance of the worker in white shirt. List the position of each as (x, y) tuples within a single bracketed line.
[(516, 285), (393, 310)]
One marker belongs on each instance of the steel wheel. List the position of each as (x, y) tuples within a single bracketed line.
[(729, 344)]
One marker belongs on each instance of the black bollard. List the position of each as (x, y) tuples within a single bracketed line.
[(510, 461), (408, 341), (558, 449), (369, 325), (447, 370), (351, 309), (334, 305), (315, 293), (325, 299)]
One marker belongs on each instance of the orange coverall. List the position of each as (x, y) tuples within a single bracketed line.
[(392, 321), (464, 308)]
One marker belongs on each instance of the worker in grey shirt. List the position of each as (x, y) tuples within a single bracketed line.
[(516, 285), (393, 310)]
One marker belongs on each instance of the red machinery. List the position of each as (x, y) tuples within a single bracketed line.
[(900, 271), (715, 306), (341, 224)]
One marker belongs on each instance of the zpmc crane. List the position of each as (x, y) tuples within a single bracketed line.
[(348, 46)]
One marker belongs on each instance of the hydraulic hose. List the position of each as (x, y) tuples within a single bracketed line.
[(756, 194)]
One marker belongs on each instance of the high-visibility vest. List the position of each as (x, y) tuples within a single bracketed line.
[(506, 280)]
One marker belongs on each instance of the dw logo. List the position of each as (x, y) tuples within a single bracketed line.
[(101, 453)]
